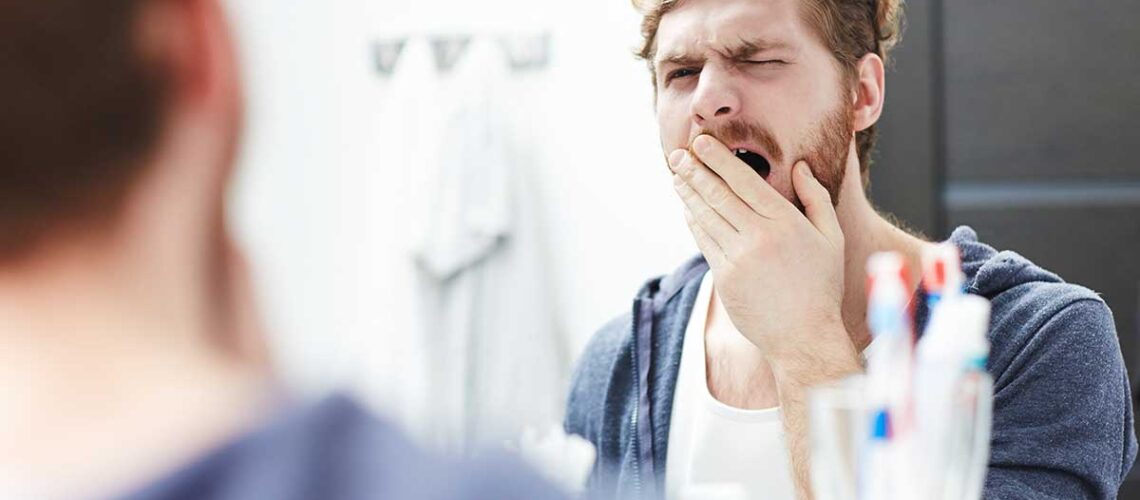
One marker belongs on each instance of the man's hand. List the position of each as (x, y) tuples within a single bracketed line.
[(778, 273)]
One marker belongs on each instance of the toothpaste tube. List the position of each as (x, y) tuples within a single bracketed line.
[(889, 364), (953, 392), (941, 273)]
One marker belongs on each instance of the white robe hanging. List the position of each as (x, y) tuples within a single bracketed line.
[(496, 358)]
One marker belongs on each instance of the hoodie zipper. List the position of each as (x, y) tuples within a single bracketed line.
[(642, 325), (633, 418), (643, 310)]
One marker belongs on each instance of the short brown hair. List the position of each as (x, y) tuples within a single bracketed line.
[(847, 27), (80, 109)]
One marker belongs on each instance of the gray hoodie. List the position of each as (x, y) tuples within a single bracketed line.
[(336, 450), (1062, 410)]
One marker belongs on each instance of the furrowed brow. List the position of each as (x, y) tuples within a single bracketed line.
[(748, 47), (681, 59)]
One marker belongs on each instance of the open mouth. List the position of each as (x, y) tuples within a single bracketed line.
[(758, 163)]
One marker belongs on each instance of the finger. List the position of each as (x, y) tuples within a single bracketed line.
[(675, 158), (715, 192), (748, 186), (817, 202), (704, 215), (709, 248)]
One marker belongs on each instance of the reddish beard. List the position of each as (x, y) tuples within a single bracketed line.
[(825, 149), (830, 145)]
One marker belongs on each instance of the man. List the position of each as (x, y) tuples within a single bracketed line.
[(766, 111), (130, 358)]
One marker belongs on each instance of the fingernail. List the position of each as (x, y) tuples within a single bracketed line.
[(805, 170), (701, 144), (675, 158)]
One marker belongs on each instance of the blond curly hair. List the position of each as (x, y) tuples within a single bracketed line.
[(848, 28)]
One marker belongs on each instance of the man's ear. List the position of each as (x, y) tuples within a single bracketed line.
[(869, 92), (191, 41)]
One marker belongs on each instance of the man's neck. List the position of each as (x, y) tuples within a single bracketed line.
[(738, 373), (867, 232), (112, 372)]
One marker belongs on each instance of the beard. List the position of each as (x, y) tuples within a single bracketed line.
[(824, 149)]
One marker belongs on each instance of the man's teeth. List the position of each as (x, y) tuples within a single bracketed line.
[(741, 151)]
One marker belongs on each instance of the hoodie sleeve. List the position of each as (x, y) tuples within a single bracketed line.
[(1063, 423)]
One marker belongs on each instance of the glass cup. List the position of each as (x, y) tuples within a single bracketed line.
[(837, 422), (943, 460)]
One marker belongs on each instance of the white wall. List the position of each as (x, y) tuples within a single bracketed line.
[(319, 205)]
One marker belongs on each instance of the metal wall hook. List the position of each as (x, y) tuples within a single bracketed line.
[(523, 53), (526, 52), (386, 54), (448, 50)]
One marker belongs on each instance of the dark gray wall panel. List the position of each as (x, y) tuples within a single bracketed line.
[(904, 176), (1042, 89)]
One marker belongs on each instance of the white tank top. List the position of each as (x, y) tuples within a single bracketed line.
[(716, 451)]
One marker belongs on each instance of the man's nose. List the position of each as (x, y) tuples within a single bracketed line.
[(716, 99)]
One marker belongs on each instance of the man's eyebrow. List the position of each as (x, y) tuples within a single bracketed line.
[(747, 47), (681, 59)]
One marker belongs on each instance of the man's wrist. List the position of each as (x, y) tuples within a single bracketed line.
[(829, 355)]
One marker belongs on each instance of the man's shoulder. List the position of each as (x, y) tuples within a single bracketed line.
[(1025, 294), (611, 344), (1021, 292), (609, 340), (337, 449), (599, 363), (1061, 392), (1039, 317), (1035, 311)]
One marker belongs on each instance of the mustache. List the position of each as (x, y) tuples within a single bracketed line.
[(737, 131)]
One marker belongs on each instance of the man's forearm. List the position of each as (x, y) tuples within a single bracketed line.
[(796, 373)]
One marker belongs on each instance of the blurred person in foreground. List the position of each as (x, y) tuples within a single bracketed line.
[(766, 111), (130, 357)]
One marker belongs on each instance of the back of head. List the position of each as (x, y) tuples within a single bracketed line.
[(82, 108)]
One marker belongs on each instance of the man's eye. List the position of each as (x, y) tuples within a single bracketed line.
[(680, 73), (767, 62)]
